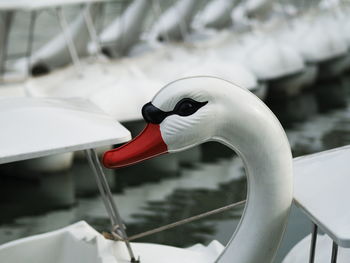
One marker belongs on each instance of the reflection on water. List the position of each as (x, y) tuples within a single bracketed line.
[(193, 191), (217, 179)]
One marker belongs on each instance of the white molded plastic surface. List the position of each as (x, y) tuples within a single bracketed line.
[(238, 119), (81, 243), (320, 42), (323, 253), (37, 127), (321, 190)]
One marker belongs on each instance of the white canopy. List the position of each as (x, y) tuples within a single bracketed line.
[(36, 127), (41, 4), (322, 191)]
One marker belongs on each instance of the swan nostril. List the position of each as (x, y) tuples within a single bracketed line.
[(152, 114)]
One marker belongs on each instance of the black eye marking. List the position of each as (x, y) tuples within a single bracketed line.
[(184, 107)]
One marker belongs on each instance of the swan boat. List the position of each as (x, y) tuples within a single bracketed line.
[(54, 126), (62, 49), (185, 113), (271, 61), (15, 79)]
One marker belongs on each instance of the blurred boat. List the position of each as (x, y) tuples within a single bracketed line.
[(124, 31), (184, 59), (317, 36), (175, 22), (53, 128), (255, 59), (216, 14), (58, 52), (66, 47), (276, 63)]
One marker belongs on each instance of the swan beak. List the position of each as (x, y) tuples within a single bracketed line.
[(149, 143)]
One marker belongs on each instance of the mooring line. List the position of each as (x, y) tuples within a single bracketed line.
[(177, 223)]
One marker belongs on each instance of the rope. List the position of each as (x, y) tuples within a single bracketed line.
[(177, 223), (68, 38), (90, 25)]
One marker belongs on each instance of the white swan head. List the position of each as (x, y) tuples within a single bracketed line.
[(185, 113)]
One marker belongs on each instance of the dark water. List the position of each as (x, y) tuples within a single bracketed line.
[(151, 195)]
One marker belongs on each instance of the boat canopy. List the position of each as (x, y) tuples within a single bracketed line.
[(37, 127)]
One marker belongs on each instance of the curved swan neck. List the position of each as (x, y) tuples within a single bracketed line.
[(237, 118), (262, 144)]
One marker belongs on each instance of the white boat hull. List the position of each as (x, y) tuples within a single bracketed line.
[(81, 243)]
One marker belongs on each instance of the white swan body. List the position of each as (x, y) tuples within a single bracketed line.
[(264, 56), (117, 91), (179, 62), (81, 243), (269, 59), (315, 43)]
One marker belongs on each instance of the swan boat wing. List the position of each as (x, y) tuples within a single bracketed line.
[(321, 190), (37, 127)]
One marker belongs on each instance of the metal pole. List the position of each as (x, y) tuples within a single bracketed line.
[(33, 16), (121, 48), (183, 27), (158, 11), (101, 188), (118, 227), (91, 29), (313, 243), (70, 44), (4, 39), (334, 252)]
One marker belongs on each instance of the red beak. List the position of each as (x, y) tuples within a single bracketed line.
[(149, 143)]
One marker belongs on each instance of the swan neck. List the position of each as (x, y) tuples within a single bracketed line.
[(263, 146)]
